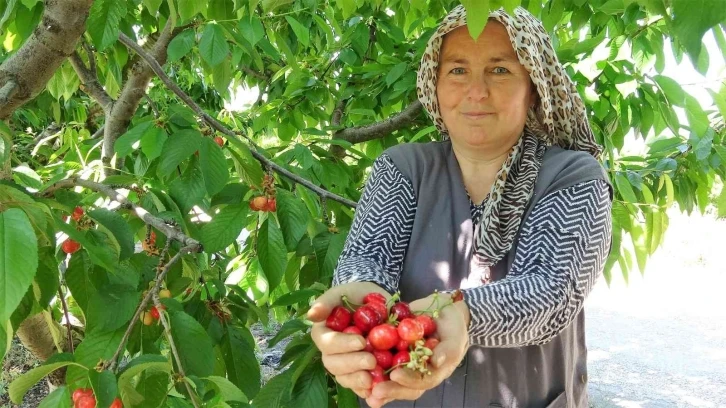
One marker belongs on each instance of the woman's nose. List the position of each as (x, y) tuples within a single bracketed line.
[(478, 88)]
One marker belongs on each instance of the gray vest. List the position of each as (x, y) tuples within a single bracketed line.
[(550, 375)]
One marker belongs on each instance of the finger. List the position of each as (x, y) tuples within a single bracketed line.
[(446, 353), (362, 393), (324, 304), (393, 391), (333, 342), (374, 402), (348, 363), (413, 379), (356, 381)]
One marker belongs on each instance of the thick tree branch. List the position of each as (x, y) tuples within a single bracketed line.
[(89, 81), (119, 117), (8, 91), (32, 66), (147, 217), (214, 123), (375, 131)]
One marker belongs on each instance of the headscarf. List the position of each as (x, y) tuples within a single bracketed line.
[(558, 119)]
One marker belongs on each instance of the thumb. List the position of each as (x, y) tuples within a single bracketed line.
[(323, 305), (446, 352)]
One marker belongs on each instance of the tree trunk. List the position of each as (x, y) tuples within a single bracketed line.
[(26, 73), (35, 334)]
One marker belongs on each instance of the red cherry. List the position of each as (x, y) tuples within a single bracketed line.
[(271, 205), (152, 238), (401, 358), (339, 319), (384, 358), (366, 318), (383, 337), (70, 246), (369, 347), (431, 343), (378, 375), (410, 330), (80, 392), (77, 214), (380, 308), (155, 313), (258, 203), (218, 140), (352, 330), (428, 323), (374, 297), (402, 345), (86, 401), (401, 311), (116, 403)]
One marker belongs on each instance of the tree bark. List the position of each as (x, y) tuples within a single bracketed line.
[(26, 73), (36, 336)]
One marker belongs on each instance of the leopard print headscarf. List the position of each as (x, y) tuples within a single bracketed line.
[(558, 119)]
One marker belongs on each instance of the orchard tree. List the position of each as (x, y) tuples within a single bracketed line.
[(145, 225)]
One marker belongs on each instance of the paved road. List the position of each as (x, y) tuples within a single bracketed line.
[(661, 341)]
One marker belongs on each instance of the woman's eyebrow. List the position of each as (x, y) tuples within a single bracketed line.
[(458, 59)]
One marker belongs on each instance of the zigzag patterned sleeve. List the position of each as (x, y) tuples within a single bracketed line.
[(562, 251), (377, 242)]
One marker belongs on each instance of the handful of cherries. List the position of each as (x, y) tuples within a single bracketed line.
[(396, 336)]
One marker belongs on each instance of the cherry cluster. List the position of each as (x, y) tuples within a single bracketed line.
[(266, 202), (84, 398), (396, 336), (153, 314), (71, 246)]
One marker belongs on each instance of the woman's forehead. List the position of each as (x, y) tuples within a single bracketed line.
[(494, 43)]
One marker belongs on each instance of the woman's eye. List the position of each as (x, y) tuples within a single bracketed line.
[(500, 70), (457, 71)]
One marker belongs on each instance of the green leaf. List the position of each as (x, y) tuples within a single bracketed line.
[(225, 227), (697, 118), (227, 390), (252, 29), (126, 143), (152, 142), (152, 6), (477, 14), (311, 389), (293, 298), (79, 278), (111, 307), (146, 364), (328, 248), (239, 358), (189, 8), (301, 32), (624, 188), (214, 166), (349, 7), (95, 347), (213, 46), (672, 89), (396, 73), (691, 20), (189, 190), (193, 344), (103, 22), (639, 234), (6, 338), (250, 168), (612, 7), (152, 387), (181, 45), (275, 393), (27, 177), (59, 398), (22, 384), (293, 217), (178, 148), (721, 203), (119, 227), (272, 252), (289, 328), (19, 254), (104, 387), (346, 398)]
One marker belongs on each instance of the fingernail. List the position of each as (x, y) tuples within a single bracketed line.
[(440, 361)]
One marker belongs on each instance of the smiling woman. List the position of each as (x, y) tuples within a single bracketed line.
[(511, 208)]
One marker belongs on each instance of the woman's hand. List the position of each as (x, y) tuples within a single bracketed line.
[(452, 331), (342, 353)]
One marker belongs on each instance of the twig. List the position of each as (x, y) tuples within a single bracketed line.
[(90, 55), (8, 91), (381, 129), (153, 106), (159, 71), (90, 81), (251, 72), (68, 318), (147, 217), (144, 302), (172, 345)]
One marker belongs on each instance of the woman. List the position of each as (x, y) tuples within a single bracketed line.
[(512, 207)]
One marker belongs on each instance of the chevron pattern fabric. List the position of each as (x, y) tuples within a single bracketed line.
[(562, 250)]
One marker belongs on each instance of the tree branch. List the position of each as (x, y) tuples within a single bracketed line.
[(251, 72), (8, 91), (62, 299), (147, 217), (119, 117), (89, 80), (214, 123), (52, 41)]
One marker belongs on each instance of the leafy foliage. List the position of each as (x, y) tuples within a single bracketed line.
[(323, 70)]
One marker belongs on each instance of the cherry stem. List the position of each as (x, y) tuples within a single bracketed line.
[(348, 304)]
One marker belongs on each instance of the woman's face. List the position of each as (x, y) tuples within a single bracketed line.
[(484, 92)]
